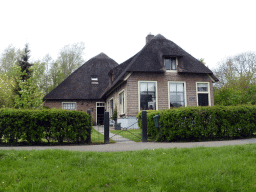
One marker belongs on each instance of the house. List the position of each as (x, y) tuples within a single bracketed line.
[(160, 76)]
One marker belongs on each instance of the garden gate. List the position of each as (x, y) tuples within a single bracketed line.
[(125, 134)]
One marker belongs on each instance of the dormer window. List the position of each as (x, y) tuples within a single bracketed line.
[(94, 80), (170, 63)]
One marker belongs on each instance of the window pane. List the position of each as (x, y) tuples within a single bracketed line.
[(147, 95), (202, 87), (69, 106), (173, 63), (176, 94), (179, 97), (167, 63), (173, 97), (180, 87), (143, 86), (151, 86), (172, 87)]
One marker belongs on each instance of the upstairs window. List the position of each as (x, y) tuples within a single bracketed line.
[(94, 79), (170, 63)]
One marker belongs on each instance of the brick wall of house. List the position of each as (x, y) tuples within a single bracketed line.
[(162, 88), (82, 105), (115, 96)]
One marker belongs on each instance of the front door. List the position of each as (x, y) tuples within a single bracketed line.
[(100, 112)]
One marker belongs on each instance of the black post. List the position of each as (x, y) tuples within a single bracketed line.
[(144, 126), (88, 139), (106, 127)]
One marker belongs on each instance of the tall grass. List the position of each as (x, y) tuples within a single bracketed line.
[(229, 168)]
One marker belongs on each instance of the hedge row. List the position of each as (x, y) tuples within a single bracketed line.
[(32, 126), (202, 123)]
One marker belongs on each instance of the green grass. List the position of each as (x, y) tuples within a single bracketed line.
[(98, 138), (133, 134), (229, 168)]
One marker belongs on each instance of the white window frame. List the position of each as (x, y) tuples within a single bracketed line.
[(110, 111), (205, 92), (121, 106), (69, 103), (96, 109), (185, 92), (175, 71), (94, 80), (139, 93)]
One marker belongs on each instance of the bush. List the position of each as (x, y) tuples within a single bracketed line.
[(202, 123), (32, 126)]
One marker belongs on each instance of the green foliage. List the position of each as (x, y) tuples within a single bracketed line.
[(24, 64), (6, 87), (202, 123), (32, 126), (114, 116), (28, 95)]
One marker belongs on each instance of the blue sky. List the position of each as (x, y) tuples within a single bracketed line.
[(212, 30)]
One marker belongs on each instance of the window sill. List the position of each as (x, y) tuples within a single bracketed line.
[(172, 71)]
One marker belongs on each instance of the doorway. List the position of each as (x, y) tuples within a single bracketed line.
[(100, 112)]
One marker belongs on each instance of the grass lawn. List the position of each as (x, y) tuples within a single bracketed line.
[(97, 137), (133, 134), (228, 168)]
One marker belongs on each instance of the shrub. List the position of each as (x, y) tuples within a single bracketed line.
[(32, 126), (202, 123)]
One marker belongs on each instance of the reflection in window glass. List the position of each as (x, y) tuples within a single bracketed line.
[(147, 95), (176, 94)]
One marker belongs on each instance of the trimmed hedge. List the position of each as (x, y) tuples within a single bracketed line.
[(202, 123), (31, 126)]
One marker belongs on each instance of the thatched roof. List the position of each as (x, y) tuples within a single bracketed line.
[(78, 85), (150, 59)]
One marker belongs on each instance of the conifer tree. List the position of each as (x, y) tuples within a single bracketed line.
[(24, 64)]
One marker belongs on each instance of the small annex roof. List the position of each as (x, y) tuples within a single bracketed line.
[(150, 59), (79, 84)]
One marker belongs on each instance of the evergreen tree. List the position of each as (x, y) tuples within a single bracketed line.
[(24, 64)]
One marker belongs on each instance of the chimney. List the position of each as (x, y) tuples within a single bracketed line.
[(149, 37)]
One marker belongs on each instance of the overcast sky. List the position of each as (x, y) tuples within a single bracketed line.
[(211, 30)]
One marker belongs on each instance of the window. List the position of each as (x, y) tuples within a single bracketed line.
[(177, 96), (170, 63), (121, 102), (100, 104), (94, 79), (203, 97), (111, 107), (147, 93), (69, 105)]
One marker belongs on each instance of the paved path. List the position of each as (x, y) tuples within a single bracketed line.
[(116, 138), (135, 146)]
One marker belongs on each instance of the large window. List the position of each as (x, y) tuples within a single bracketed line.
[(203, 97), (147, 91), (177, 94), (121, 102), (170, 63), (69, 105)]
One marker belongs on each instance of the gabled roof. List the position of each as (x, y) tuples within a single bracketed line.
[(150, 59), (78, 84)]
